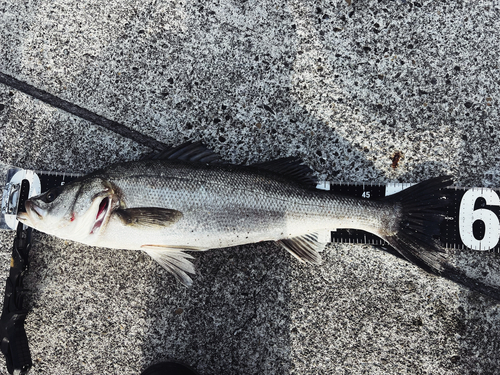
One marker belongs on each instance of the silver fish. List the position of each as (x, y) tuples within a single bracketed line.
[(188, 199)]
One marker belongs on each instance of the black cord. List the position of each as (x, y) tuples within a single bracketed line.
[(81, 112)]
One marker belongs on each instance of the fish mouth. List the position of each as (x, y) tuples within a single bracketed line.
[(102, 214), (22, 217), (30, 208)]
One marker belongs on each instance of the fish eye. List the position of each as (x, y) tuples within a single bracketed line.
[(50, 196)]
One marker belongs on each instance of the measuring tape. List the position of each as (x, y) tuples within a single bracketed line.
[(471, 220)]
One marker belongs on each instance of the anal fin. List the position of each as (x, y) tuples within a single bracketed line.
[(305, 248), (174, 260)]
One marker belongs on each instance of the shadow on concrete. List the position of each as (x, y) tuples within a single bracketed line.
[(251, 308)]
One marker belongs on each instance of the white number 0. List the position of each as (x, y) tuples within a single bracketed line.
[(467, 217)]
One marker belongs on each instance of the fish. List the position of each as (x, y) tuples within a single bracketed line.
[(187, 198)]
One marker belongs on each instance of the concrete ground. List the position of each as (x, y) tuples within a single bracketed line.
[(343, 86)]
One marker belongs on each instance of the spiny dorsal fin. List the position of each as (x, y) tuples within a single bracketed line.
[(305, 248), (174, 261), (189, 151), (148, 216), (290, 167)]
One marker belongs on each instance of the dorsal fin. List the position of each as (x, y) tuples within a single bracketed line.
[(189, 151), (290, 167)]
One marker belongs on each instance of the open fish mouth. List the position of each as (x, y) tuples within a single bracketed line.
[(33, 208), (102, 214)]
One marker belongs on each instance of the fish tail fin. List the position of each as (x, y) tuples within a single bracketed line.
[(419, 223), (416, 234)]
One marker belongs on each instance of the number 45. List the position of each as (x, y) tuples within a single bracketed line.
[(467, 217)]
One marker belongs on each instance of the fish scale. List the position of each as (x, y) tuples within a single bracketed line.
[(220, 204), (187, 198)]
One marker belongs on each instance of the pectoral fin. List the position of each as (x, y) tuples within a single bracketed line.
[(173, 260), (305, 248), (148, 216)]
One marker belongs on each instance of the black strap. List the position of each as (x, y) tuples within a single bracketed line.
[(14, 344)]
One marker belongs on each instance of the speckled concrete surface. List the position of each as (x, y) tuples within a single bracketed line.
[(344, 87)]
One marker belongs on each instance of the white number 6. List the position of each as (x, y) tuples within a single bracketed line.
[(467, 217)]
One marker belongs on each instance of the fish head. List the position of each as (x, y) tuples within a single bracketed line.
[(77, 211)]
